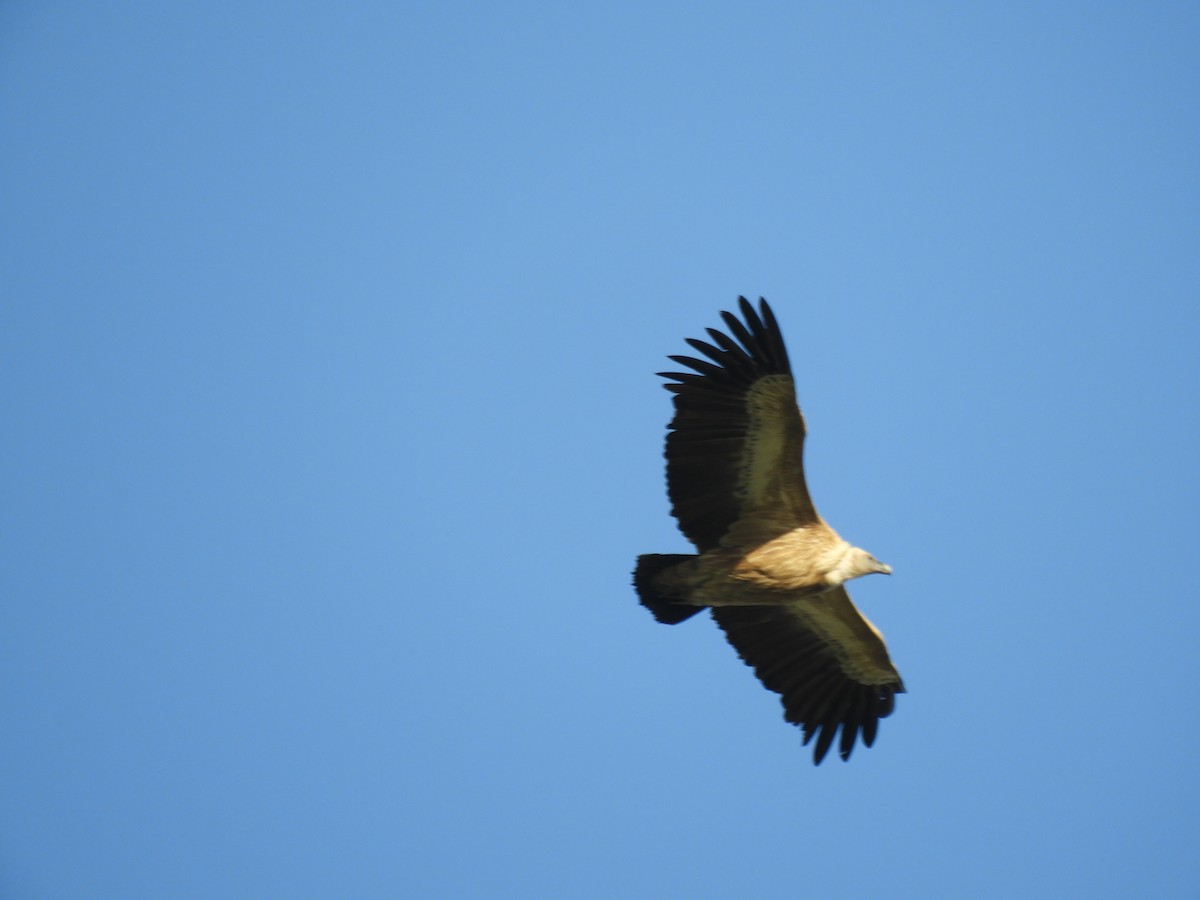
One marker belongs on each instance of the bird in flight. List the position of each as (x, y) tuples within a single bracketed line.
[(770, 568)]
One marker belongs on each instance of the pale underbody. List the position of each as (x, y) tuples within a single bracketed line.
[(803, 561)]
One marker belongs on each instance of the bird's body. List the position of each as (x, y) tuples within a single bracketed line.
[(805, 560), (770, 568)]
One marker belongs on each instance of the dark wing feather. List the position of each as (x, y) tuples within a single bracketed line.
[(715, 431), (825, 683)]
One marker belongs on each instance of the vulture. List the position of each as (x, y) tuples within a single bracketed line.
[(772, 571)]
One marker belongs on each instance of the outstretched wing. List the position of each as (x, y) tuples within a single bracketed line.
[(826, 660), (735, 446)]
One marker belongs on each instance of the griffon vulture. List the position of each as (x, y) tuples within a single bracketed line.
[(770, 568)]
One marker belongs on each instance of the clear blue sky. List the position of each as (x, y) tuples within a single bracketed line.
[(327, 341)]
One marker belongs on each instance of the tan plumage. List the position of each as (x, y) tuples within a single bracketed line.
[(768, 565)]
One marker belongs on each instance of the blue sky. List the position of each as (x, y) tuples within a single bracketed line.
[(327, 345)]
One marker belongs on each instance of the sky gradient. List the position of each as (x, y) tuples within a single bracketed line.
[(327, 353)]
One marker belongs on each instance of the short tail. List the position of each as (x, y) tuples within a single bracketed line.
[(664, 609)]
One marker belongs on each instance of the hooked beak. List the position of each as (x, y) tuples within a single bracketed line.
[(885, 568)]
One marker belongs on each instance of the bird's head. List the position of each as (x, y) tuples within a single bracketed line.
[(858, 562)]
